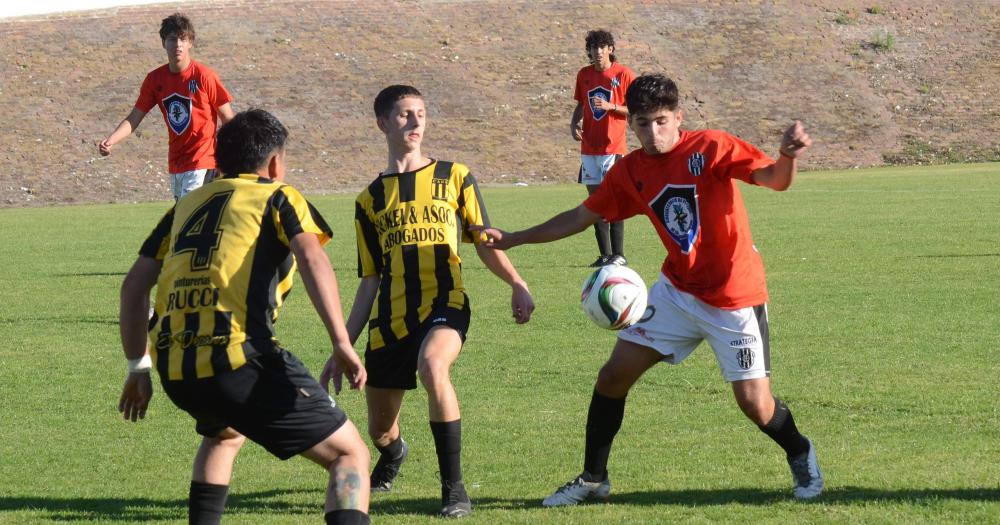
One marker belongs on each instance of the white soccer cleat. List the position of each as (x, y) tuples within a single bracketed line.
[(806, 476), (579, 490)]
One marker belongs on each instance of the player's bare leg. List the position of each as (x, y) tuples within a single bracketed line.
[(210, 475), (626, 365), (344, 455), (384, 405), (773, 417), (438, 352)]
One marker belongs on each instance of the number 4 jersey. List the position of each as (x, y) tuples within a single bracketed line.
[(227, 267)]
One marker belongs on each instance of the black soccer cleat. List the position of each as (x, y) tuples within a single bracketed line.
[(454, 500), (387, 469), (601, 261)]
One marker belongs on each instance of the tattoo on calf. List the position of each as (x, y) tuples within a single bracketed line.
[(347, 484)]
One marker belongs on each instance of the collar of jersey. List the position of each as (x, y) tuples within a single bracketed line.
[(249, 176), (429, 164)]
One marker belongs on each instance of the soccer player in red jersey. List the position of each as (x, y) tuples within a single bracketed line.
[(192, 100), (712, 286), (598, 123)]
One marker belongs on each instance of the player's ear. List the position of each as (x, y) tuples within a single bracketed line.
[(680, 116), (380, 122)]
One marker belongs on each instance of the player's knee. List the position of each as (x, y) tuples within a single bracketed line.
[(433, 372), (230, 438), (611, 382)]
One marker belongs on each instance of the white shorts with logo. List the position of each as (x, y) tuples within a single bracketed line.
[(594, 167), (187, 181), (676, 322)]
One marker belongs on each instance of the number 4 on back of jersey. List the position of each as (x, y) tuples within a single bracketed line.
[(200, 234)]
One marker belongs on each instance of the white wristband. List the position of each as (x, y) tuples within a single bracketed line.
[(140, 366)]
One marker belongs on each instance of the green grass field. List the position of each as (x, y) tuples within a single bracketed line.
[(884, 344)]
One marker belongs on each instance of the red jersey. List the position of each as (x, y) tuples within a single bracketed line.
[(690, 196), (603, 131), (190, 102)]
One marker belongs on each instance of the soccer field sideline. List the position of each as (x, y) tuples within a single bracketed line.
[(882, 319)]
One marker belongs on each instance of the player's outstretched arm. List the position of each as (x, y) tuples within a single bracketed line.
[(361, 309), (132, 322), (576, 123), (226, 113), (124, 129), (521, 303), (779, 176), (321, 285), (569, 222)]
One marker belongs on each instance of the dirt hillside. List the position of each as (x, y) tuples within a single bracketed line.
[(897, 82)]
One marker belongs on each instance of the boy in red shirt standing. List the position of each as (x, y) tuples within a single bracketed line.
[(712, 286), (192, 100), (599, 124)]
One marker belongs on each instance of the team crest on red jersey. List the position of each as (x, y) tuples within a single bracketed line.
[(696, 163), (677, 208), (178, 110), (600, 92)]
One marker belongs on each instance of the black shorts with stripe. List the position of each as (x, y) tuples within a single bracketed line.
[(273, 400), (395, 365)]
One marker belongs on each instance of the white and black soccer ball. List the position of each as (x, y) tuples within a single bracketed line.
[(614, 297)]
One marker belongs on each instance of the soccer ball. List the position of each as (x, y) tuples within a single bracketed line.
[(614, 297)]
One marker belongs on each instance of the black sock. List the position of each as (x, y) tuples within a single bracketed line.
[(448, 443), (603, 237), (781, 428), (347, 517), (206, 503), (392, 450), (618, 238), (604, 418)]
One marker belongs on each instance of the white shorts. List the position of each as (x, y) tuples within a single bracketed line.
[(594, 167), (676, 322), (187, 181)]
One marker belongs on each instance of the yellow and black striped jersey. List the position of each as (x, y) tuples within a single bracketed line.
[(227, 268), (409, 226)]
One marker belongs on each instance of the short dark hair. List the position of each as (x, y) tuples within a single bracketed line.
[(388, 97), (245, 143), (176, 25), (651, 93), (599, 38)]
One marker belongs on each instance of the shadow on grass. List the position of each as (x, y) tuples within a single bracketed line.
[(91, 274), (63, 319), (845, 495), (270, 502)]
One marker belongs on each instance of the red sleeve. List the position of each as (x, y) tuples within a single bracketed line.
[(219, 95), (617, 198), (578, 94), (629, 77), (737, 159), (147, 96)]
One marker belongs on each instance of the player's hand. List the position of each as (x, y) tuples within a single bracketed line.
[(577, 131), (493, 237), (521, 303), (795, 140), (339, 365), (105, 148), (601, 104), (136, 393)]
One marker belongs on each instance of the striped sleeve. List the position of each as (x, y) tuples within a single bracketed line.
[(471, 208), (293, 214), (370, 259), (158, 242)]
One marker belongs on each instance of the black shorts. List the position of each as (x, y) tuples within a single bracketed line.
[(395, 365), (272, 399)]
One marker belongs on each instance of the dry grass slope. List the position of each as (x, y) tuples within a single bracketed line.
[(499, 77)]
